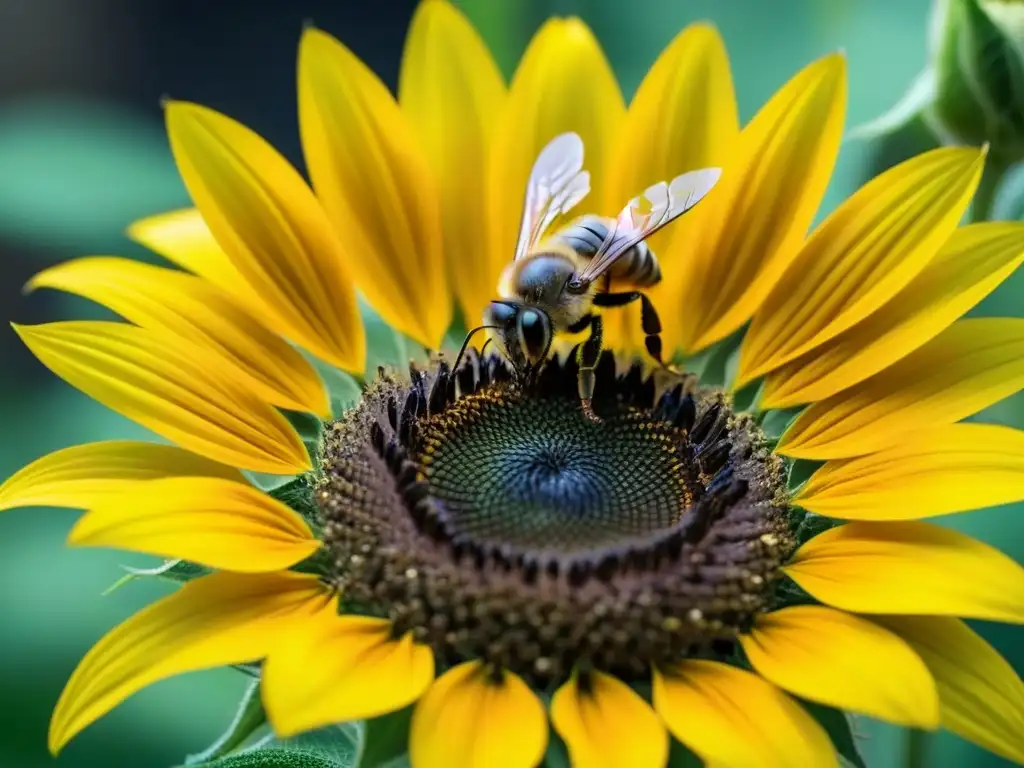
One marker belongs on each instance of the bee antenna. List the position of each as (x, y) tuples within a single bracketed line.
[(465, 344)]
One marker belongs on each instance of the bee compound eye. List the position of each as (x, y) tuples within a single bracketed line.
[(499, 314), (534, 332)]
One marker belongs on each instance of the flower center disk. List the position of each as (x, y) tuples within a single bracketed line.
[(532, 474), (493, 520)]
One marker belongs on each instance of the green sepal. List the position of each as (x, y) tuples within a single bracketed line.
[(746, 398), (343, 389), (384, 741), (385, 347), (680, 756), (297, 494), (805, 526), (177, 571), (248, 718), (714, 365), (814, 524), (557, 754), (310, 429), (839, 727), (775, 422), (800, 471)]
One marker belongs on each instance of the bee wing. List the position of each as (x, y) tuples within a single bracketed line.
[(647, 213), (557, 183)]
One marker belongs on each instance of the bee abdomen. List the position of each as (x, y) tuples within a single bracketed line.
[(638, 266), (585, 236)]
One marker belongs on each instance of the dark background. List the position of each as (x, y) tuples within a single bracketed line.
[(82, 153)]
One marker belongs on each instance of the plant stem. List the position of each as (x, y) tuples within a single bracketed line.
[(915, 749)]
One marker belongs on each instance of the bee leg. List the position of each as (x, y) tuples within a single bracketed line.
[(587, 357), (651, 324), (649, 321)]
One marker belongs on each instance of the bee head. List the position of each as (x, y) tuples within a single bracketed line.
[(525, 331)]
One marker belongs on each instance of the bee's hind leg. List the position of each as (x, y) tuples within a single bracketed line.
[(649, 322), (587, 356)]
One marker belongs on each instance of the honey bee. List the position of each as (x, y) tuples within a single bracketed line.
[(554, 284)]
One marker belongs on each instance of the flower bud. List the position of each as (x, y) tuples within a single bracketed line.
[(978, 70)]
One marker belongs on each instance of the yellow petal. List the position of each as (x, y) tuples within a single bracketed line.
[(969, 266), (952, 468), (729, 716), (452, 92), (183, 237), (189, 308), (843, 661), (83, 476), (688, 94), (509, 727), (214, 522), (226, 618), (604, 722), (372, 176), (745, 235), (273, 230), (173, 389), (967, 367), (563, 83), (867, 251), (909, 567), (360, 671), (981, 697)]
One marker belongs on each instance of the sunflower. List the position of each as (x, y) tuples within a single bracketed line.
[(718, 566)]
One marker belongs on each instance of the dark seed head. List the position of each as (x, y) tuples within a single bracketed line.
[(493, 520)]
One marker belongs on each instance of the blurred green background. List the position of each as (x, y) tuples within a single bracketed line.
[(82, 152)]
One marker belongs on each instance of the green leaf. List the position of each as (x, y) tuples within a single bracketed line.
[(331, 747), (337, 743), (248, 718), (384, 740), (839, 727), (276, 757)]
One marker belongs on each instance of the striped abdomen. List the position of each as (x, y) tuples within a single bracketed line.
[(637, 267)]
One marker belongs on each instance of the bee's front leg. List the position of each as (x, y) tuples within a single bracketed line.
[(587, 357)]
